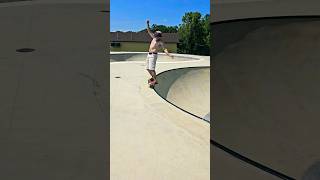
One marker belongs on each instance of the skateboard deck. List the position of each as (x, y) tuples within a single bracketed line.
[(151, 83)]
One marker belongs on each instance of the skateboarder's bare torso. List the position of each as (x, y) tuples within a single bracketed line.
[(156, 46)]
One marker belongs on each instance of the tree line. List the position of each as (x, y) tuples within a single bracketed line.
[(194, 33)]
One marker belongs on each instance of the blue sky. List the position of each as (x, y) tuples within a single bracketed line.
[(131, 15)]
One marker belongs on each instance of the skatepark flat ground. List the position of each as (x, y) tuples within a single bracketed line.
[(150, 138), (53, 101)]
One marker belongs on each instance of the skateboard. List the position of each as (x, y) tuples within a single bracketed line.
[(151, 83)]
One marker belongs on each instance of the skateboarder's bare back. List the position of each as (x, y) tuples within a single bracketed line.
[(155, 46)]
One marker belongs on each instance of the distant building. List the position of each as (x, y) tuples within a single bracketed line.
[(139, 41)]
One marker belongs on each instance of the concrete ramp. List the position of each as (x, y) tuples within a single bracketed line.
[(267, 96), (188, 89)]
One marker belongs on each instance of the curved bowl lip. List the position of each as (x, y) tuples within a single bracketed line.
[(190, 56), (263, 18), (190, 113)]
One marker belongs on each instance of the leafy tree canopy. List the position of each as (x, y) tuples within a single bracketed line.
[(163, 28), (194, 33)]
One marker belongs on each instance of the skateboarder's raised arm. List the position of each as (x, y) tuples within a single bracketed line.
[(148, 29)]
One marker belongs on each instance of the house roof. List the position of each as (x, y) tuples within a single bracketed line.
[(141, 36)]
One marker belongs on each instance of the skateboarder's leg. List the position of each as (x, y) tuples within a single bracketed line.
[(151, 64), (151, 74), (154, 75)]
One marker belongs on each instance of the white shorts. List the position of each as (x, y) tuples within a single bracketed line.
[(151, 61)]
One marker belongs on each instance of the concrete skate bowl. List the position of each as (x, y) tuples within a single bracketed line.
[(187, 89), (141, 56), (266, 98)]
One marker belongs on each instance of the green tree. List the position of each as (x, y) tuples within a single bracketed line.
[(163, 28), (194, 34), (207, 29)]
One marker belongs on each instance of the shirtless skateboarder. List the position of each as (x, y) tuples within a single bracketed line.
[(155, 46)]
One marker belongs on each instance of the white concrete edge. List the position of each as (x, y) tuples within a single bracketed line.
[(143, 62), (197, 57), (242, 9)]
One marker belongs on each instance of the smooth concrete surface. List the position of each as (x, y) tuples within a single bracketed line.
[(150, 138), (227, 36), (188, 88), (266, 98), (227, 167), (53, 120)]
